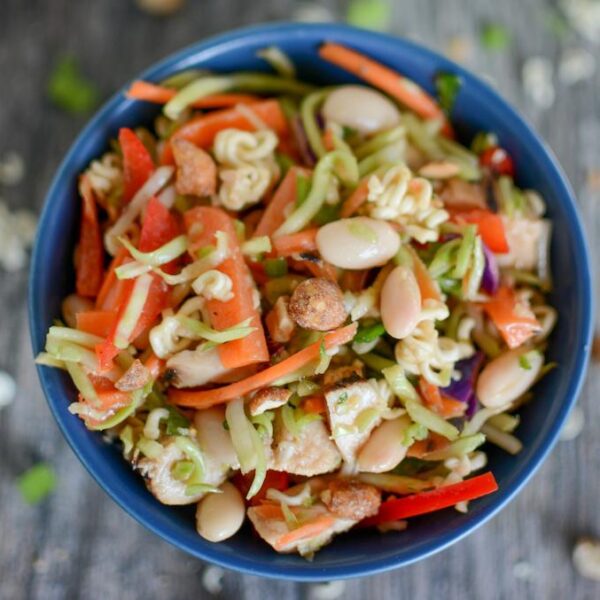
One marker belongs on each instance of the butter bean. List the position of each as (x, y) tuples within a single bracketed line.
[(357, 243), (361, 108), (384, 450), (219, 516), (400, 302), (508, 376)]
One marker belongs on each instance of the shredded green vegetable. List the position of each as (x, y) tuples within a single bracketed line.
[(495, 37), (308, 110), (37, 483), (422, 415), (166, 253), (256, 246), (369, 333), (399, 383), (69, 89), (199, 329), (276, 267), (279, 60), (448, 86)]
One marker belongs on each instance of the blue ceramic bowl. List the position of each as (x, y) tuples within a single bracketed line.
[(478, 108)]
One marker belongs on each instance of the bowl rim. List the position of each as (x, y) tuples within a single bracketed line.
[(308, 572)]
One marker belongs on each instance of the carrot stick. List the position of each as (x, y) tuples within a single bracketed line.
[(285, 195), (110, 292), (296, 243), (402, 89), (207, 398), (96, 322), (355, 281), (356, 199), (151, 92), (268, 511), (427, 286), (202, 130), (252, 348), (155, 365), (309, 530)]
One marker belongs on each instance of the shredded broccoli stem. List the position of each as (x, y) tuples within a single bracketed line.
[(69, 352), (137, 399), (239, 428), (395, 484), (149, 448), (199, 329), (422, 415), (257, 245), (458, 448), (166, 253), (472, 280), (421, 137), (338, 163), (308, 109), (380, 141), (182, 470), (82, 383), (260, 468), (182, 78), (264, 422), (465, 250), (289, 420), (133, 311), (74, 335), (443, 258), (399, 383), (215, 84), (47, 360), (279, 60), (126, 437), (506, 441), (193, 452)]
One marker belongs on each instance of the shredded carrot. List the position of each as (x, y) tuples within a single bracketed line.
[(445, 407), (356, 199), (155, 365), (314, 405), (427, 285), (202, 130), (309, 530), (267, 510), (433, 442), (109, 296), (355, 281), (151, 92), (384, 78), (207, 398), (96, 322), (285, 195), (296, 243)]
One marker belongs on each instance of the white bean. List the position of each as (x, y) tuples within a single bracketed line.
[(384, 450), (357, 243), (219, 516), (400, 302), (361, 108), (508, 376), (72, 305)]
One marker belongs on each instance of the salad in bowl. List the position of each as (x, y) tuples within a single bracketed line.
[(306, 307)]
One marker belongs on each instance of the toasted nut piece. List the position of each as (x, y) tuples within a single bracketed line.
[(278, 321), (458, 192), (347, 372), (267, 399), (196, 170), (318, 304), (136, 377), (351, 500)]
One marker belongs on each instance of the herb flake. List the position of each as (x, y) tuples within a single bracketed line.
[(69, 89), (495, 37), (369, 14), (448, 86), (36, 483)]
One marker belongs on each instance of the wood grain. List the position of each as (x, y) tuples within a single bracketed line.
[(79, 544)]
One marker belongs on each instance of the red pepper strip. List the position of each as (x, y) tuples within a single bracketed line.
[(489, 225), (277, 480), (137, 163), (515, 322), (159, 227), (90, 253), (430, 501), (497, 160)]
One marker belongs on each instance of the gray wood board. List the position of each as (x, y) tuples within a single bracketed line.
[(78, 543)]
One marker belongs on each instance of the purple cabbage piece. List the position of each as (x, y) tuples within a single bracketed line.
[(463, 389), (490, 281), (306, 152)]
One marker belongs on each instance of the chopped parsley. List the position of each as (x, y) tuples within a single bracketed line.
[(524, 362), (370, 333), (343, 398), (69, 89), (369, 14), (495, 37), (448, 86), (36, 483)]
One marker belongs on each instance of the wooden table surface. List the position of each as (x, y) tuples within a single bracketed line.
[(78, 543)]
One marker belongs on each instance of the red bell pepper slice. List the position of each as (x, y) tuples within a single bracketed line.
[(497, 160), (515, 322), (433, 500), (159, 227), (277, 480), (90, 252), (137, 163), (489, 226)]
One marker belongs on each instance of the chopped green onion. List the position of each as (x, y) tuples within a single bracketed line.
[(448, 86), (369, 333), (279, 60), (36, 483), (369, 14), (257, 245), (284, 161), (495, 37), (338, 162), (422, 415), (401, 386), (302, 188), (276, 267), (69, 89), (165, 254)]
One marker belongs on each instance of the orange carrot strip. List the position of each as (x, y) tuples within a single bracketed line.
[(201, 130), (110, 292), (96, 322), (356, 199), (384, 78), (207, 398), (355, 281), (202, 223), (269, 511), (427, 286), (285, 195), (308, 530), (447, 408), (151, 92), (314, 405), (155, 365), (296, 243)]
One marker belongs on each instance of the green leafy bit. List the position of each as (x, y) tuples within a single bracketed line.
[(495, 37), (370, 333), (414, 433), (524, 362), (343, 398), (36, 483), (175, 421), (448, 86), (276, 267), (69, 89), (369, 14)]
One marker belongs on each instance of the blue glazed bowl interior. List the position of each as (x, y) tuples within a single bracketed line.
[(477, 108)]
